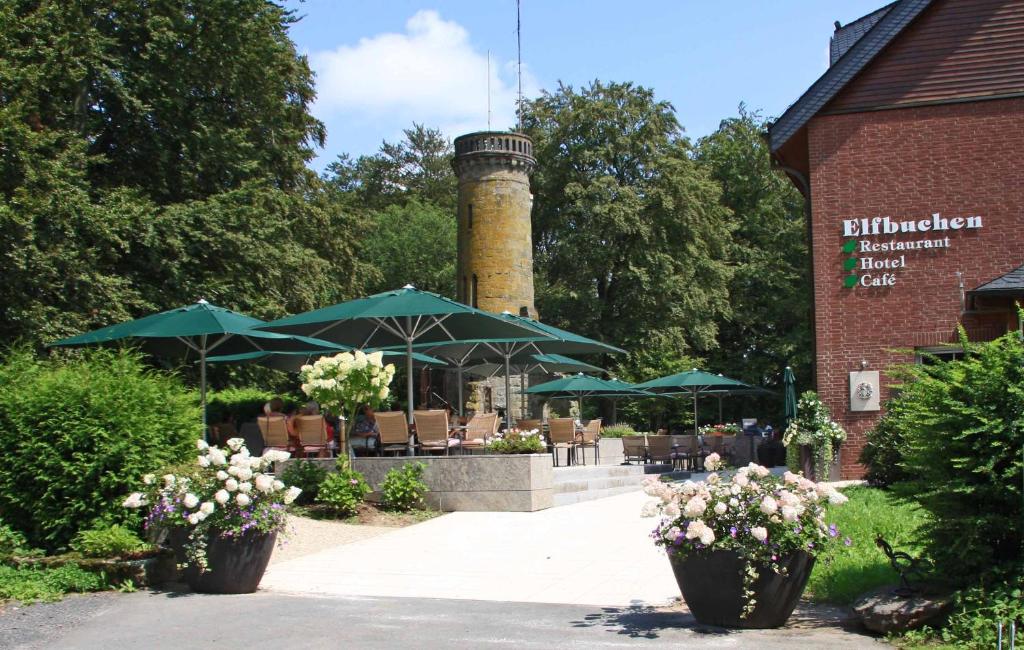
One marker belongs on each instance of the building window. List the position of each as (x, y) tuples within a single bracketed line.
[(930, 356), (469, 215), (475, 302)]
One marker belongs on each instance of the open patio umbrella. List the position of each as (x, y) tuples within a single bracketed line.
[(789, 395), (692, 382), (553, 340), (200, 329), (579, 386), (293, 361), (545, 363), (402, 318)]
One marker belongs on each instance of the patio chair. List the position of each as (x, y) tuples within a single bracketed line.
[(394, 432), (432, 432), (480, 429), (529, 425), (274, 429), (659, 449), (311, 431), (563, 436), (588, 439), (634, 448), (686, 450)]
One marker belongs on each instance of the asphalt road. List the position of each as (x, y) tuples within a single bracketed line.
[(109, 621)]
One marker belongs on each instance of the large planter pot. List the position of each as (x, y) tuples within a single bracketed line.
[(712, 586), (235, 565)]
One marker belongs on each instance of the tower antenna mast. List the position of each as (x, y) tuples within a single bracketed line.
[(519, 65), (488, 90)]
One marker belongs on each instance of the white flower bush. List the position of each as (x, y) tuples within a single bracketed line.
[(761, 517), (813, 426), (218, 497)]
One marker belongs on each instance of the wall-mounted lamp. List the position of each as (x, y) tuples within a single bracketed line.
[(863, 364)]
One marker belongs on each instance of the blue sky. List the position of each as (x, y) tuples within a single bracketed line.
[(382, 65)]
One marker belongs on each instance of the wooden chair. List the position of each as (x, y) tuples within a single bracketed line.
[(432, 432), (481, 428), (394, 432), (274, 429), (634, 448), (563, 436), (529, 425), (589, 438), (659, 449), (311, 431), (684, 451)]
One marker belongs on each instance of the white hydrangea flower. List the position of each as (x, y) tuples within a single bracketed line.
[(650, 509), (203, 461), (734, 502), (245, 487), (264, 483), (222, 475), (760, 533), (201, 445), (292, 493), (699, 530), (191, 500), (217, 456), (231, 485), (695, 507), (221, 496), (207, 508), (790, 513), (148, 479), (721, 508), (243, 474), (712, 462), (134, 500), (194, 518), (769, 506), (169, 480), (242, 499), (672, 510), (234, 444), (278, 485)]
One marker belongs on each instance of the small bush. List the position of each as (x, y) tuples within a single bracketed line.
[(963, 440), (306, 476), (30, 584), (883, 453), (12, 542), (108, 541), (403, 488), (343, 491), (618, 431), (78, 432)]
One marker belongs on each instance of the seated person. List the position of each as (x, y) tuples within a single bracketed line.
[(366, 432)]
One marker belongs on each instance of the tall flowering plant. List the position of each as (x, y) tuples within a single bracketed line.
[(814, 427), (228, 493), (761, 517), (346, 381)]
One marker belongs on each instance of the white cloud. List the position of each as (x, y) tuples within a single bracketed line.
[(430, 74)]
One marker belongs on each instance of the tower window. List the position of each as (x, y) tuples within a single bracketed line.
[(469, 215), (476, 303)]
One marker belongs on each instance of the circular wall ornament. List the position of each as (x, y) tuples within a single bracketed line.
[(865, 390)]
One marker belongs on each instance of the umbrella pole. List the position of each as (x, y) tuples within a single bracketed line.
[(508, 393), (522, 394), (408, 383), (720, 419), (460, 389), (202, 386)]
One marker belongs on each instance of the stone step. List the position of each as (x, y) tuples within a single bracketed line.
[(566, 498), (580, 472), (598, 484)]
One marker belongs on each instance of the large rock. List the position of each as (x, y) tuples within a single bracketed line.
[(883, 611)]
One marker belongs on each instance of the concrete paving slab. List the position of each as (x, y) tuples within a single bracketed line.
[(590, 553)]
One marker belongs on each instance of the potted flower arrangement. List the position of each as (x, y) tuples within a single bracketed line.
[(345, 382), (742, 547), (221, 518), (813, 429), (731, 429), (514, 441)]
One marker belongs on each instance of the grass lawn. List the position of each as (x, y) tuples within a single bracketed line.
[(862, 566)]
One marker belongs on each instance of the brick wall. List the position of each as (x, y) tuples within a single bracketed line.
[(958, 160)]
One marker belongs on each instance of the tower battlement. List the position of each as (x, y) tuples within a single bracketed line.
[(498, 148)]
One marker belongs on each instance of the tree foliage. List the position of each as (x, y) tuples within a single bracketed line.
[(631, 239), (153, 154), (412, 244), (769, 327)]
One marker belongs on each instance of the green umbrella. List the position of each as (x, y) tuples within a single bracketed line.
[(546, 363), (551, 340), (692, 382), (200, 329), (293, 361), (579, 386), (789, 395), (402, 318)]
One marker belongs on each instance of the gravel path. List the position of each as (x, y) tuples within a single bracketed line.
[(307, 536)]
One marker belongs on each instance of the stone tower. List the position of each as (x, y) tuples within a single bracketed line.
[(495, 263)]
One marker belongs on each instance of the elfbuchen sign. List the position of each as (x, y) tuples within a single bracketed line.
[(877, 248)]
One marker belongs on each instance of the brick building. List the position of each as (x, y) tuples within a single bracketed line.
[(910, 152)]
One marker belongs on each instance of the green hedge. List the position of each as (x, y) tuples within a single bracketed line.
[(78, 432)]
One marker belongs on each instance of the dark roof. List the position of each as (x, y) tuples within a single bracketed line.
[(898, 15), (847, 35), (1010, 284)]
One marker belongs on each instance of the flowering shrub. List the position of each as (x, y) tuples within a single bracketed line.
[(228, 492), (731, 429), (761, 517), (514, 441), (813, 426), (344, 382), (342, 491), (403, 489)]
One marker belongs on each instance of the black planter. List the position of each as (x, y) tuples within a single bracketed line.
[(712, 586), (235, 565)]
